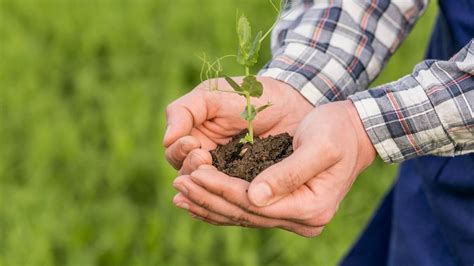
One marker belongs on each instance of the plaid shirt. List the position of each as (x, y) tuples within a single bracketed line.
[(331, 50)]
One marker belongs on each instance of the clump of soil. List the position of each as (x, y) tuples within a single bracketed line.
[(246, 161)]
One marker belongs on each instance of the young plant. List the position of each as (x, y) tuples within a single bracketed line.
[(247, 56), (250, 87)]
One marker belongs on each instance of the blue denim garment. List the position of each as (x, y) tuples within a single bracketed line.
[(427, 218)]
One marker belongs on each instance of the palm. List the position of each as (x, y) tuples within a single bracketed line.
[(304, 205), (301, 197), (222, 121)]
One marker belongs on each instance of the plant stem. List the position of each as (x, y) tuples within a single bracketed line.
[(249, 122), (266, 33), (249, 111)]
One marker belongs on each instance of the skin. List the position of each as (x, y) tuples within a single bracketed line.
[(201, 119), (299, 197)]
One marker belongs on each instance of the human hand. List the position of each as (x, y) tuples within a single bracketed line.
[(331, 149), (201, 119)]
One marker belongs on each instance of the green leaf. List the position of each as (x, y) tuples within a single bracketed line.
[(232, 83), (248, 55), (246, 139), (249, 116), (252, 57), (252, 86), (247, 52), (263, 107), (244, 32), (241, 58)]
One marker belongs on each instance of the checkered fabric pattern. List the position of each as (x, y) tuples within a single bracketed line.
[(329, 50), (427, 112)]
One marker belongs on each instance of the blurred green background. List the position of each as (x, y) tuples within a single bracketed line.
[(83, 180)]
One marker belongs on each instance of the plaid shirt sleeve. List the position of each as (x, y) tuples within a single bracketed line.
[(329, 49), (427, 112)]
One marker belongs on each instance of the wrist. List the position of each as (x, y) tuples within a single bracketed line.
[(291, 93), (367, 152), (287, 85)]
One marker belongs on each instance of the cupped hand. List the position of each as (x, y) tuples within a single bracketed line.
[(201, 119), (331, 149)]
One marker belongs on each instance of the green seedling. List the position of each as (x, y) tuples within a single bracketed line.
[(250, 87), (247, 56)]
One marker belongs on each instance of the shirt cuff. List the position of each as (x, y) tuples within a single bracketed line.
[(401, 121), (320, 81)]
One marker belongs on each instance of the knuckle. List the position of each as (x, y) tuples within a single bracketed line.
[(306, 212), (289, 181), (247, 207), (221, 193), (240, 218), (182, 147), (210, 221), (204, 204), (324, 217), (332, 153), (205, 215), (234, 218), (196, 158), (198, 200), (254, 210)]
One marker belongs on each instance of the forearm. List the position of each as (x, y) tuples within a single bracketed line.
[(331, 49), (427, 112)]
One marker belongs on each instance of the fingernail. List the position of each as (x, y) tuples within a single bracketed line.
[(183, 205), (181, 188), (262, 193)]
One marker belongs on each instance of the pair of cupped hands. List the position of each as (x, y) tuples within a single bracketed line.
[(301, 193)]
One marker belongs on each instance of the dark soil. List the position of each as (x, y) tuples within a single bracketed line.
[(246, 161)]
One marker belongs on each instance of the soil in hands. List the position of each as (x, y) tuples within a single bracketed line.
[(246, 161)]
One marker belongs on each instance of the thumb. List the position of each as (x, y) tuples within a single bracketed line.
[(182, 115), (280, 179)]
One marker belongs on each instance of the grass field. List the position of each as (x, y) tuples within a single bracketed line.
[(83, 181)]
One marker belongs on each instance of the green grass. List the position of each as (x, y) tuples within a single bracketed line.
[(83, 181)]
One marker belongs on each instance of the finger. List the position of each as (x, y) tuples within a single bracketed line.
[(210, 202), (307, 231), (195, 159), (184, 114), (215, 219), (184, 203), (218, 205), (207, 167), (198, 217), (177, 152), (206, 142), (280, 179), (294, 207)]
